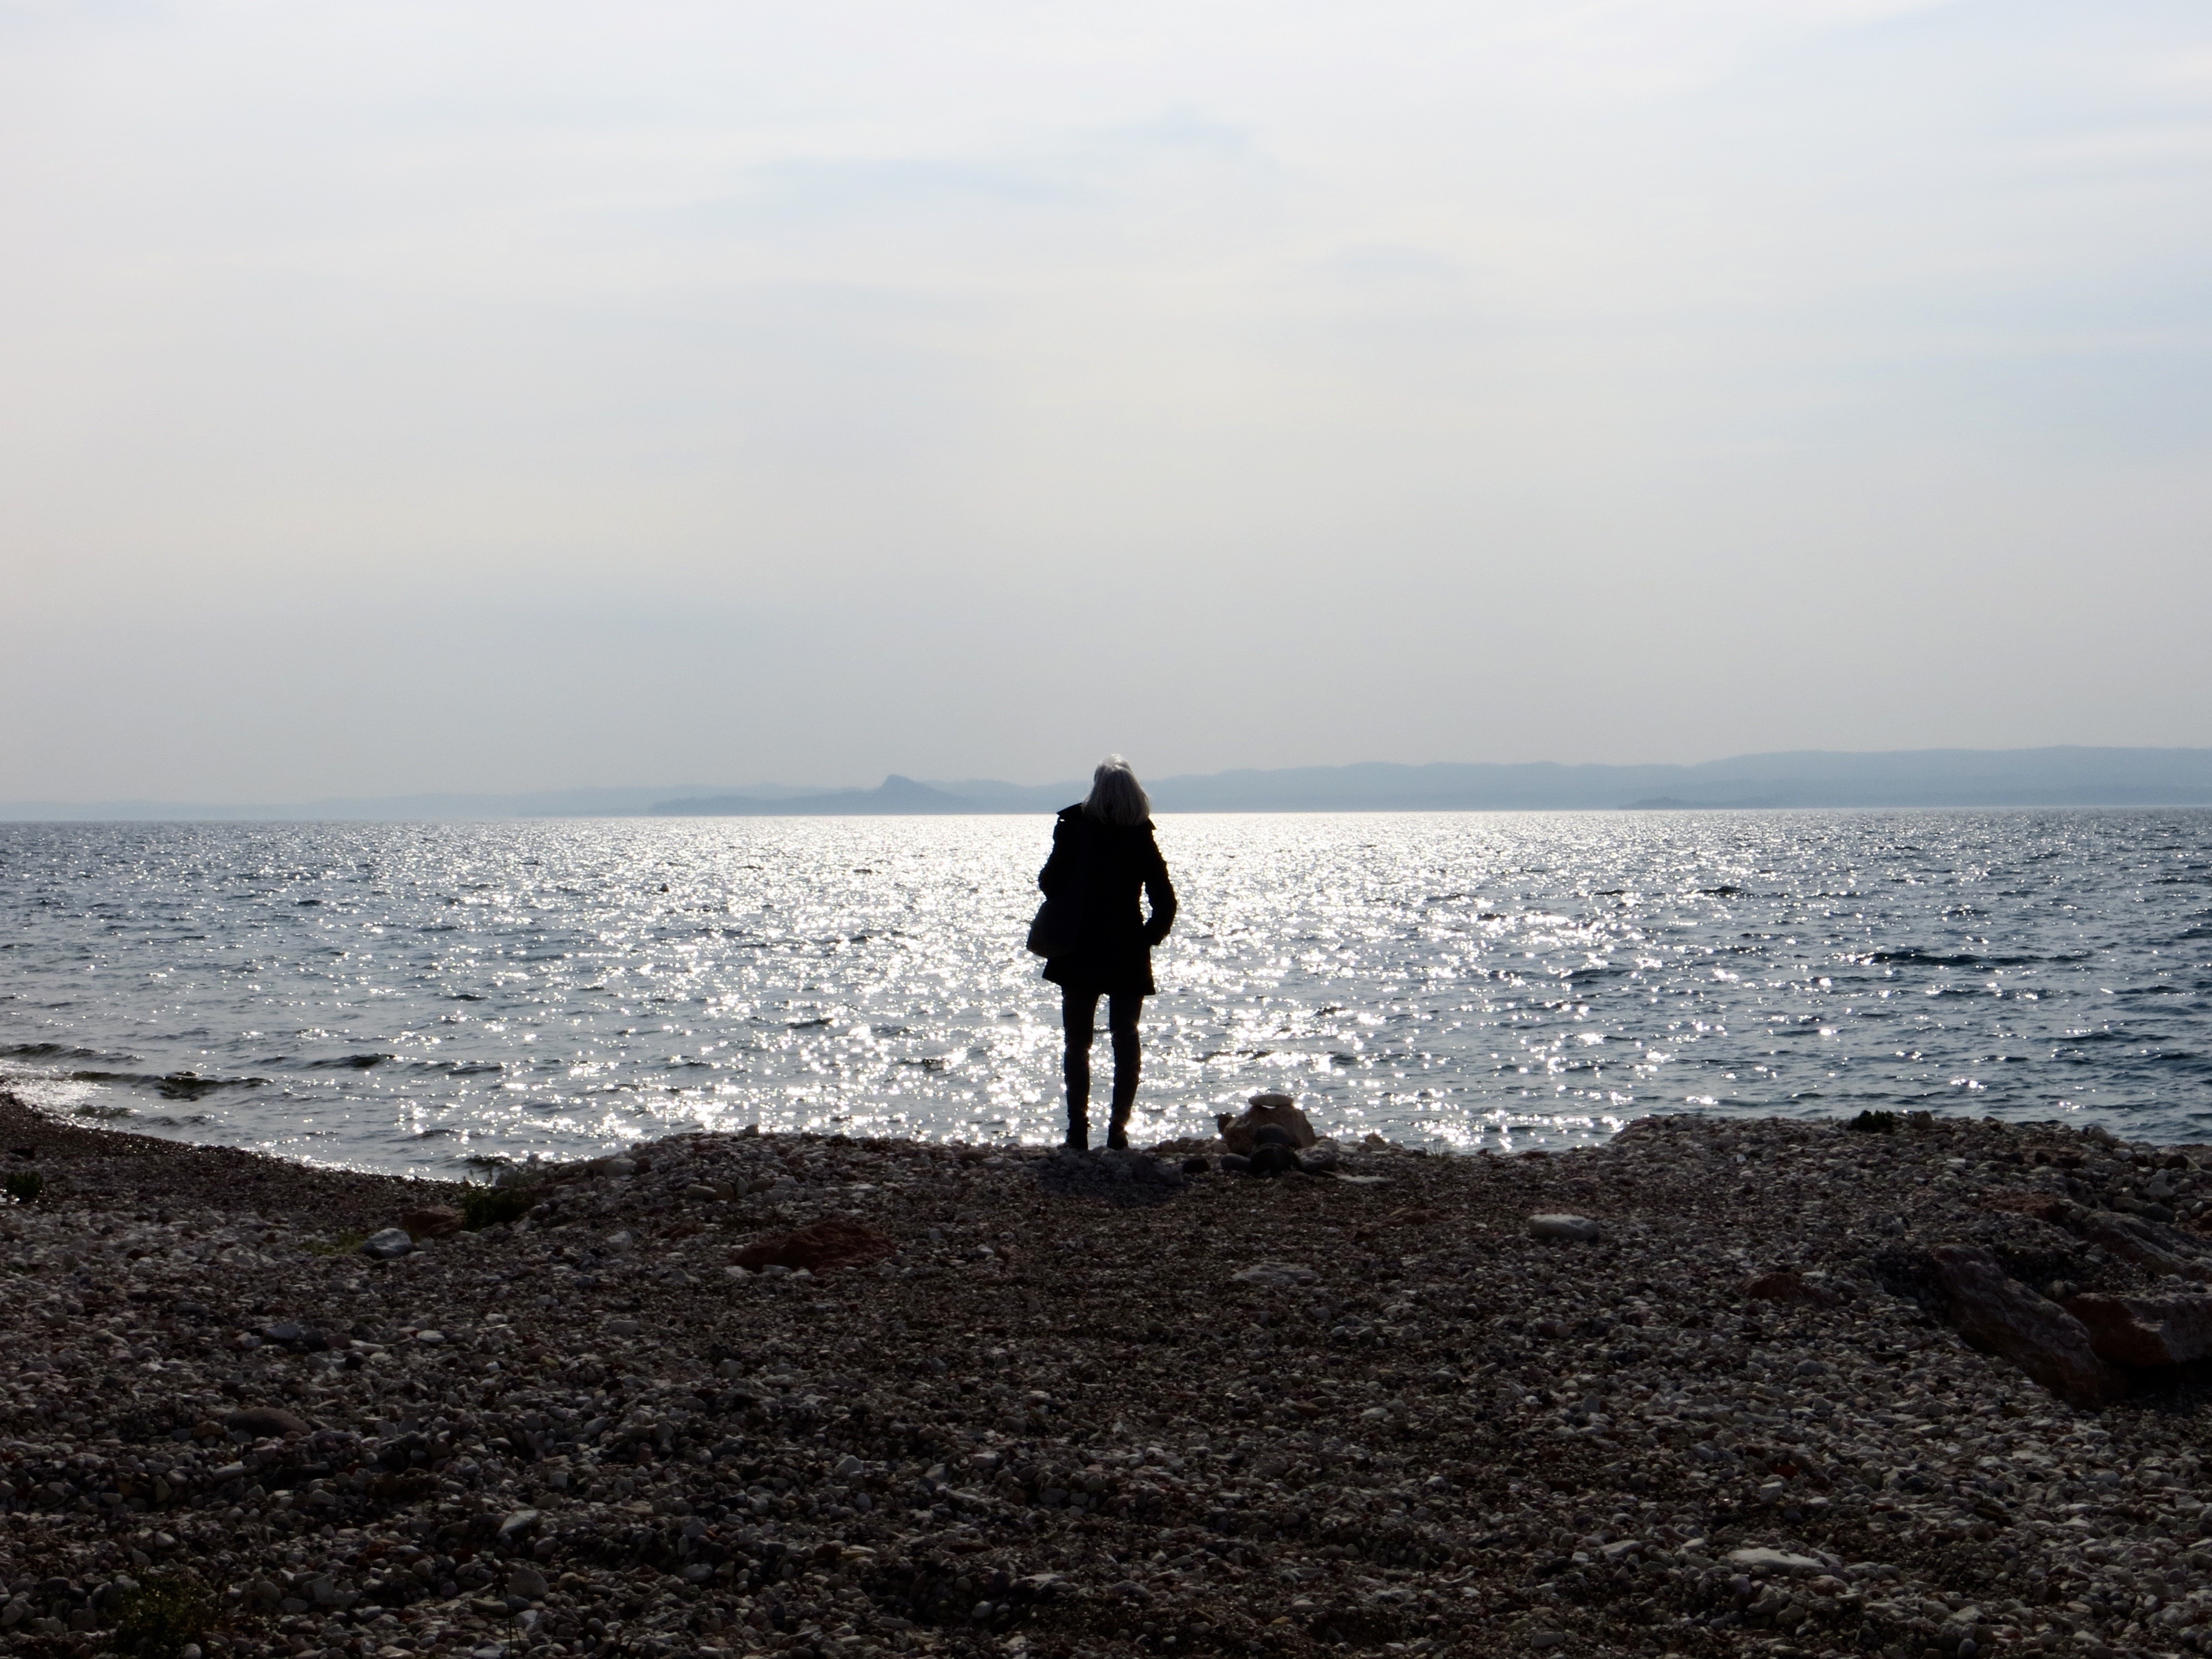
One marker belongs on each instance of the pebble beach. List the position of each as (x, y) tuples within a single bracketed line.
[(1711, 1387)]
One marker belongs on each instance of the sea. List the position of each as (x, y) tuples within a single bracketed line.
[(444, 998)]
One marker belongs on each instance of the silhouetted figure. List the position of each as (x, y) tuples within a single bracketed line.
[(1103, 853)]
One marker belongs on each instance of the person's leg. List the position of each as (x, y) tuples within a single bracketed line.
[(1121, 1020), (1078, 1016)]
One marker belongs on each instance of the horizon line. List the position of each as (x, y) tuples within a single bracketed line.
[(669, 799)]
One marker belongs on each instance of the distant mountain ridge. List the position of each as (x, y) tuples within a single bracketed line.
[(1813, 778), (2066, 776), (894, 797)]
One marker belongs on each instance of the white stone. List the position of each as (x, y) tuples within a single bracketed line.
[(518, 1522), (1766, 1560), (1579, 1228)]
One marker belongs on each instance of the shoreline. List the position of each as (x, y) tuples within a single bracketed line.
[(1054, 1405)]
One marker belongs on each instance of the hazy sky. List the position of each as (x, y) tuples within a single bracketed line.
[(417, 395)]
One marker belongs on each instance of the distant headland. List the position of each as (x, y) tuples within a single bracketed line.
[(2070, 776)]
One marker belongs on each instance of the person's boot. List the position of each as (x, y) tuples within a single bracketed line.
[(1075, 1068), (1127, 1064)]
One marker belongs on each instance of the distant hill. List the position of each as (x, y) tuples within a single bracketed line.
[(1929, 777), (1926, 777), (894, 797), (1811, 778)]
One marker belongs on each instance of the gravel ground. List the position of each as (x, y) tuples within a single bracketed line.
[(1052, 1406)]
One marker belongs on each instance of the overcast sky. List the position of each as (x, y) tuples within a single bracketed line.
[(417, 395)]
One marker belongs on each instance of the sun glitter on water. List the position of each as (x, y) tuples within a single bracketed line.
[(417, 996)]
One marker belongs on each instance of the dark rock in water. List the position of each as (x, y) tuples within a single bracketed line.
[(1997, 1312), (262, 1422), (2146, 1330), (834, 1243)]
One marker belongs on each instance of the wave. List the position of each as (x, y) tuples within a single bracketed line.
[(348, 1063), (48, 1051), (175, 1085), (1912, 957)]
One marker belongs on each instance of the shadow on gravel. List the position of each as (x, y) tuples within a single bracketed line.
[(1123, 1180)]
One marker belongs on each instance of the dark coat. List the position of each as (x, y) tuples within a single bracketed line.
[(1102, 867)]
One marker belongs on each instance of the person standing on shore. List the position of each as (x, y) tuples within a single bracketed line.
[(1103, 853)]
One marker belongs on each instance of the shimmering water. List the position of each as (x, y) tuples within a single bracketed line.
[(410, 997)]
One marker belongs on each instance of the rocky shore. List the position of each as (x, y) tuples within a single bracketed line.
[(814, 1397)]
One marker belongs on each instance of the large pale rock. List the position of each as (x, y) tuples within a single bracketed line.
[(516, 1524), (1579, 1229), (1241, 1134), (2138, 1242), (1997, 1312), (2146, 1330), (385, 1246)]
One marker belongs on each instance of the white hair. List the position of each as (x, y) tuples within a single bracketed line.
[(1116, 797)]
